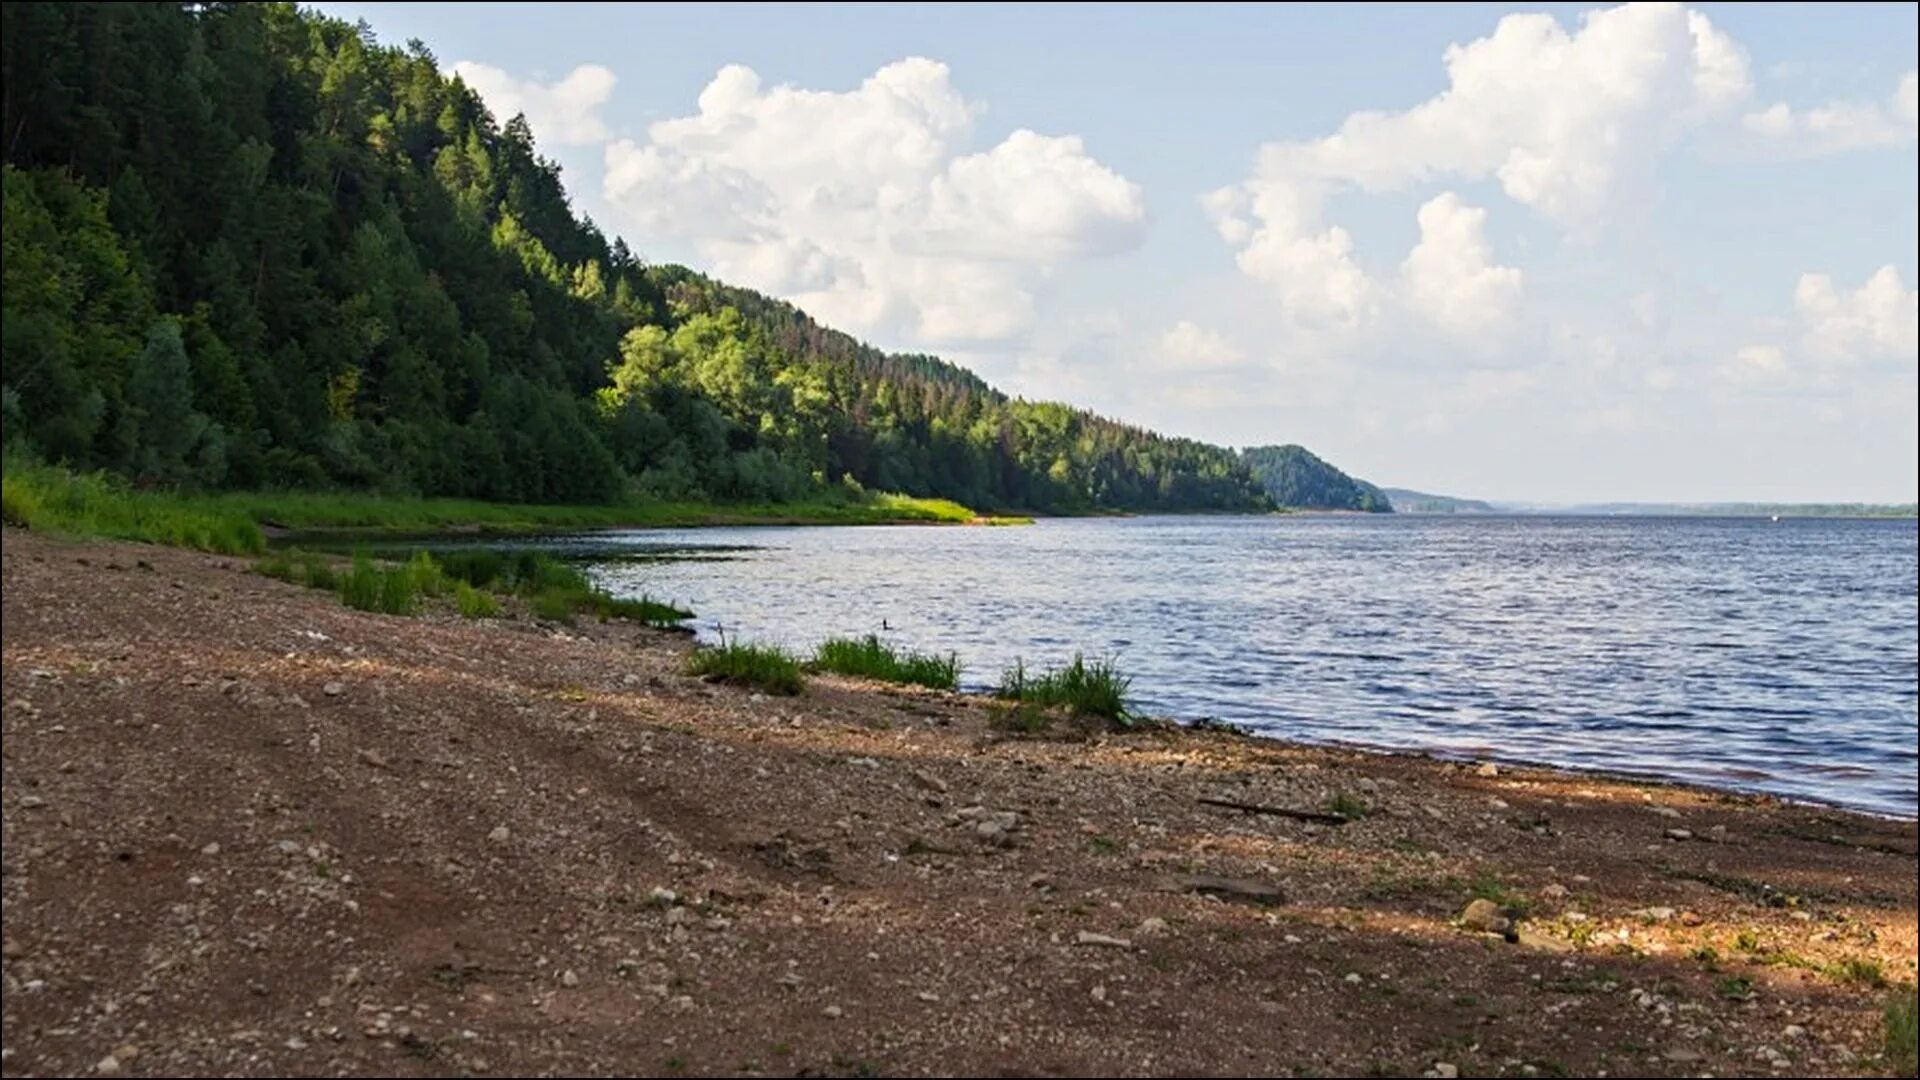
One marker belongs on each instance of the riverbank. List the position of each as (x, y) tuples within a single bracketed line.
[(249, 830), (241, 523)]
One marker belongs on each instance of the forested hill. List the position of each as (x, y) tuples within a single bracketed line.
[(247, 246), (1294, 477)]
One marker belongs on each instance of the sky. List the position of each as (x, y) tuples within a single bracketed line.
[(1544, 253)]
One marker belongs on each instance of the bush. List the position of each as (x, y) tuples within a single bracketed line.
[(474, 603), (426, 576), (763, 666), (874, 659), (1090, 688)]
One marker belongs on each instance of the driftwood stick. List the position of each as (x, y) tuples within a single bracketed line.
[(1277, 811)]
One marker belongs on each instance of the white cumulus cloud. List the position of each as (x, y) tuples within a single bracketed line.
[(1563, 121), (864, 206), (1450, 274), (1878, 320), (564, 113), (1840, 125), (1189, 347)]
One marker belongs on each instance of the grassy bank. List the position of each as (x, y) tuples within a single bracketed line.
[(52, 499)]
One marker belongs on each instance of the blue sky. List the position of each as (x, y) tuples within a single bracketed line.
[(1579, 254)]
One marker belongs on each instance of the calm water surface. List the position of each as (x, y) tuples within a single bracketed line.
[(1778, 656)]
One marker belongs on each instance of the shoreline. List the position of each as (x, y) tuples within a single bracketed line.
[(277, 835)]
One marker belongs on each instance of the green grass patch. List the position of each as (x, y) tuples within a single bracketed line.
[(1343, 804), (49, 499), (1897, 1031), (474, 603), (1857, 969), (1087, 687), (1514, 903), (872, 658), (764, 667)]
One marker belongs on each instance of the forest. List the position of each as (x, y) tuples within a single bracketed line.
[(249, 247), (1293, 476)]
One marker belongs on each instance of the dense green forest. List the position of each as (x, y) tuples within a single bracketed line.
[(1293, 476), (248, 247)]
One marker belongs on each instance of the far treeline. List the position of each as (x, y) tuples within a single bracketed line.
[(248, 247)]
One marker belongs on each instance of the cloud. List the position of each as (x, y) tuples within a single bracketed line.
[(864, 208), (565, 113), (1563, 122), (1879, 320), (1840, 126), (1187, 347), (1450, 275)]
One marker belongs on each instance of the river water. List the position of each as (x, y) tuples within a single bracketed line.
[(1746, 653)]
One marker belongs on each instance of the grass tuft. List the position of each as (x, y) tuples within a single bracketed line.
[(474, 603), (872, 658), (45, 498), (1344, 805), (1089, 688), (766, 667), (1897, 1023)]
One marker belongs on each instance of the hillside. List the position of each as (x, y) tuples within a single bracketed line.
[(1294, 477), (1419, 502), (248, 246)]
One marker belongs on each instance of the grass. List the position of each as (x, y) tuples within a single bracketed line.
[(474, 603), (765, 667), (1487, 887), (1344, 805), (875, 659), (1086, 687), (54, 499), (48, 499), (1897, 1022)]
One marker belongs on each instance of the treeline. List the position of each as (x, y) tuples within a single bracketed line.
[(246, 246), (1294, 476)]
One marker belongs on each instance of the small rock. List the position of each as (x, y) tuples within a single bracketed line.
[(833, 1012), (1795, 1031), (663, 896), (569, 978), (1654, 914), (1088, 937), (126, 1052), (211, 849), (373, 757), (1153, 925), (1483, 916), (1679, 834), (1243, 891), (1691, 918), (32, 802), (1555, 891), (108, 1066), (500, 835), (334, 689), (1446, 1070), (929, 781), (1354, 978), (1487, 769)]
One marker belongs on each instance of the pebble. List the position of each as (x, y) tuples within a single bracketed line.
[(1153, 925), (1679, 834), (1354, 978), (1088, 937), (833, 1012), (569, 978), (1446, 1070), (32, 802), (1487, 769), (1795, 1031), (1555, 891), (500, 835), (211, 849), (108, 1066), (334, 689)]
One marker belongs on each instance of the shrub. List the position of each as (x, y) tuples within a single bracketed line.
[(764, 666), (1090, 688), (874, 659), (1341, 804), (426, 576)]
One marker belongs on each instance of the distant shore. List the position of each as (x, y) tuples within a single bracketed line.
[(278, 835)]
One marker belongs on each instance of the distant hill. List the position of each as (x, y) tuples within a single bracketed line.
[(1294, 477), (1419, 502), (1826, 510)]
